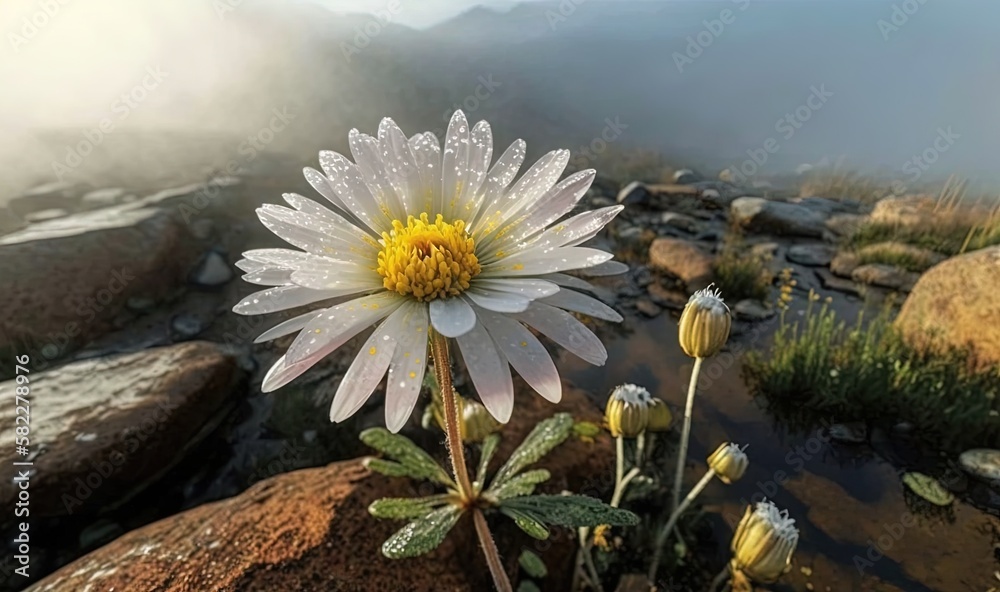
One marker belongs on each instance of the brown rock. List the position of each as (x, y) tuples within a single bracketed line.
[(955, 304), (647, 308), (845, 263), (666, 298), (885, 276), (111, 426), (683, 260), (65, 280), (310, 530)]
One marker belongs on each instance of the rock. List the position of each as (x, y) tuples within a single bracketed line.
[(757, 214), (185, 326), (954, 304), (891, 251), (66, 280), (45, 215), (103, 198), (635, 193), (601, 202), (905, 210), (828, 206), (682, 259), (203, 228), (885, 276), (752, 310), (675, 220), (647, 308), (212, 271), (832, 282), (850, 433), (140, 304), (291, 532), (686, 177), (845, 225), (812, 255), (844, 263), (663, 297), (983, 463), (112, 426)]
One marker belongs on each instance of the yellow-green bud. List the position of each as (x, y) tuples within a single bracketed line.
[(476, 422), (729, 462), (705, 323), (627, 412), (660, 417), (764, 543)]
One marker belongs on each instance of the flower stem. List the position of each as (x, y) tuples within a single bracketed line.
[(453, 434), (719, 579), (661, 538), (685, 433), (500, 579)]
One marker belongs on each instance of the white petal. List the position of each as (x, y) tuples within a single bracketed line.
[(525, 353), (603, 269), (561, 327), (400, 165), (338, 277), (427, 154), (269, 277), (368, 157), (454, 164), (368, 368), (329, 331), (317, 235), (281, 374), (322, 185), (569, 281), (497, 300), (536, 262), (530, 288), (452, 317), (409, 362), (280, 298), (287, 327), (582, 226), (577, 302), (346, 181), (535, 183), (480, 153), (499, 177), (488, 371), (276, 258)]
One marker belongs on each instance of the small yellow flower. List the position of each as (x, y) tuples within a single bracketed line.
[(705, 324), (627, 411), (601, 537), (729, 463), (660, 417), (763, 544)]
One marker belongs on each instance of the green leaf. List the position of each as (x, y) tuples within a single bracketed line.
[(528, 586), (485, 455), (928, 488), (422, 535), (547, 435), (570, 510), (523, 484), (405, 507), (586, 429), (418, 463), (532, 564), (528, 524)]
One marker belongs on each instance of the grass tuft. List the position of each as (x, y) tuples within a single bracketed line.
[(739, 273)]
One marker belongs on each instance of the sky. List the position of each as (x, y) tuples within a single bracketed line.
[(416, 14)]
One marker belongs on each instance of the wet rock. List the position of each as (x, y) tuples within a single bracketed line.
[(686, 177), (45, 215), (885, 276), (844, 263), (641, 194), (682, 259), (293, 531), (212, 271), (112, 426), (954, 304), (185, 326), (647, 308), (666, 298), (635, 193), (983, 463), (812, 255), (675, 220), (828, 206), (140, 304), (642, 276), (753, 310), (100, 532), (757, 214), (832, 282), (68, 279), (845, 225), (103, 198), (850, 433)]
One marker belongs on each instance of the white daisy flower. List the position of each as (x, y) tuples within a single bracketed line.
[(418, 238)]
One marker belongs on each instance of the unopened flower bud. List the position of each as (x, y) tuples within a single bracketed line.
[(729, 463), (705, 324), (476, 422), (660, 417), (627, 412), (764, 543)]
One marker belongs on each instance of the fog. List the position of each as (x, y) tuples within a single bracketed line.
[(166, 90)]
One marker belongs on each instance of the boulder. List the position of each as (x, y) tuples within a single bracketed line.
[(752, 310), (641, 194), (885, 276), (105, 428), (682, 259), (811, 255), (983, 463), (758, 214), (64, 281), (954, 304), (832, 282), (310, 530)]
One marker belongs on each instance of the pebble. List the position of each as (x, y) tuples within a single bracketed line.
[(212, 271), (647, 308)]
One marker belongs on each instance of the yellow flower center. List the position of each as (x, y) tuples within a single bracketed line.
[(427, 260)]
